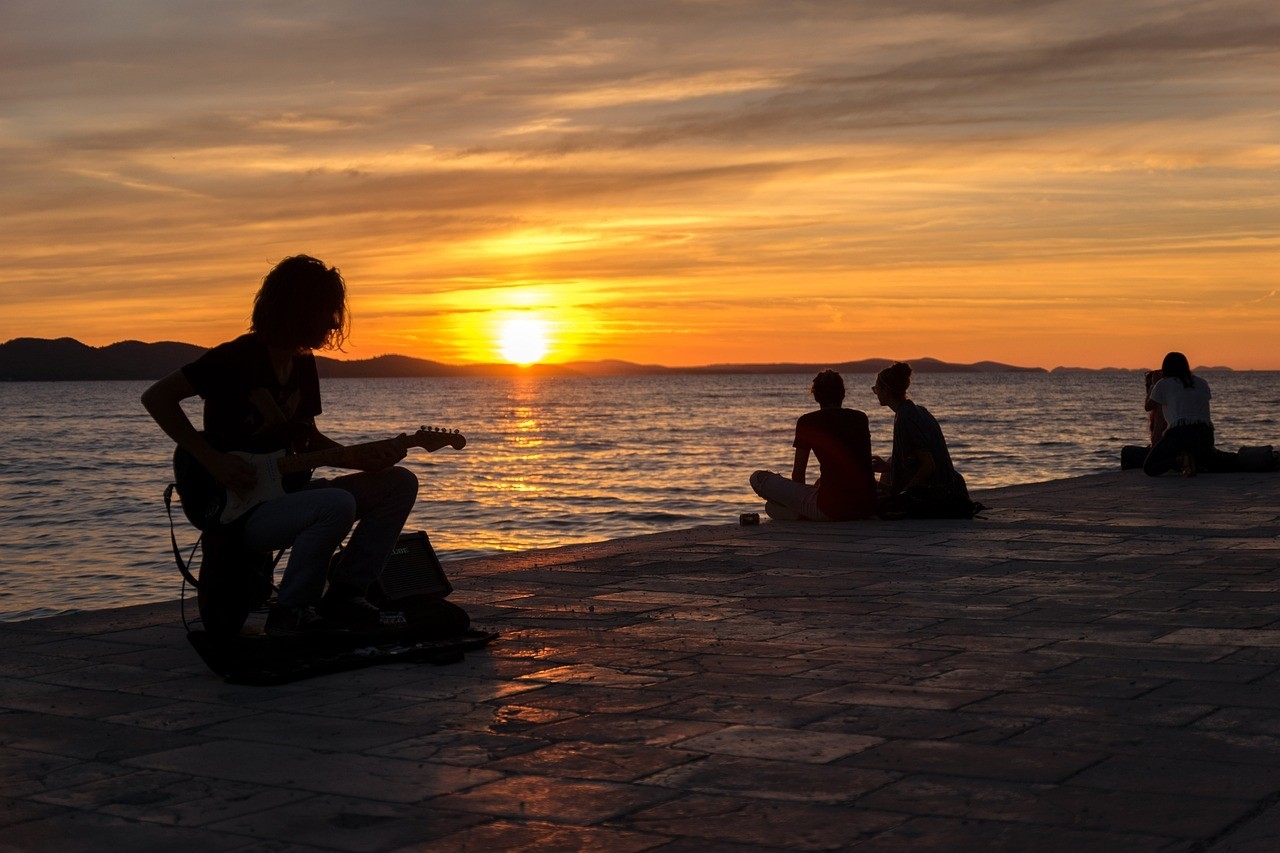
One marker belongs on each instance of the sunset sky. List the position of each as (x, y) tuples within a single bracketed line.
[(1041, 183)]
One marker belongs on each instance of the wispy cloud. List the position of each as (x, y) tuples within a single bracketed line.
[(957, 167)]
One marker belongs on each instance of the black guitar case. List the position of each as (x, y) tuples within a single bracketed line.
[(262, 660)]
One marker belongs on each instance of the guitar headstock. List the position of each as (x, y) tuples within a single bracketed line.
[(434, 438)]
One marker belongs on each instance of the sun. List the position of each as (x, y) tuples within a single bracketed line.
[(523, 340)]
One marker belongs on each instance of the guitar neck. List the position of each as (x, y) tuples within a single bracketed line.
[(339, 457)]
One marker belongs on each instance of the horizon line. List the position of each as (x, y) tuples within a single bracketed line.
[(806, 364)]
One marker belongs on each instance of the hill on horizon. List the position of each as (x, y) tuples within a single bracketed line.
[(43, 359)]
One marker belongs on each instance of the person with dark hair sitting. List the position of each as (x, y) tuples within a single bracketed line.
[(261, 394), (1182, 400), (918, 480), (841, 439)]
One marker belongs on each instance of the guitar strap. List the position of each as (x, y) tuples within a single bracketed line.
[(184, 566)]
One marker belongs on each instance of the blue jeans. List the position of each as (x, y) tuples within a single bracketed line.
[(313, 521)]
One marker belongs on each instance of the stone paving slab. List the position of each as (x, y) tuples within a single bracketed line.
[(1095, 665)]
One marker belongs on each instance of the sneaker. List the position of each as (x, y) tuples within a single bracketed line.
[(284, 621), (360, 614)]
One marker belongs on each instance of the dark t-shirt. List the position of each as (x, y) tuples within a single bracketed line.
[(841, 439), (246, 407), (914, 430)]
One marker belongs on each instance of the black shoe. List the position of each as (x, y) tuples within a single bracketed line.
[(359, 614), (284, 621)]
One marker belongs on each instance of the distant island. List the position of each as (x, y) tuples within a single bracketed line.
[(42, 359)]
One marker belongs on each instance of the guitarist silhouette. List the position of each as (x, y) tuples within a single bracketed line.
[(261, 397)]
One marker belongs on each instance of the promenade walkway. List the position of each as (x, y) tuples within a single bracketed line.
[(1093, 666)]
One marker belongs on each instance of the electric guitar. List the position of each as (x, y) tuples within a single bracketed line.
[(207, 502)]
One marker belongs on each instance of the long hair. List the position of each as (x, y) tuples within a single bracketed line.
[(1176, 365), (302, 304)]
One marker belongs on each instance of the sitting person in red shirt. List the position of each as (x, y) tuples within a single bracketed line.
[(841, 439)]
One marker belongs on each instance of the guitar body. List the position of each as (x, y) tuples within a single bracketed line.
[(202, 496), (207, 502), (268, 484)]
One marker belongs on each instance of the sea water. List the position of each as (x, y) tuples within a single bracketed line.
[(548, 461)]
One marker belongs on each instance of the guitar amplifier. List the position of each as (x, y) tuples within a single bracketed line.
[(412, 570)]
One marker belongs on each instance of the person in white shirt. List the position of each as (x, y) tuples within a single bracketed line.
[(1183, 400)]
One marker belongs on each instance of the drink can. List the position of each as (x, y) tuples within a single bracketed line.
[(748, 518)]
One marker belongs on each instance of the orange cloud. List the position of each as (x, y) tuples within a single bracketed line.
[(1005, 181)]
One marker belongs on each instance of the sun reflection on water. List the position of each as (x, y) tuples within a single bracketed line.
[(525, 429)]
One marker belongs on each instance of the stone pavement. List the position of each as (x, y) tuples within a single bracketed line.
[(1093, 666)]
